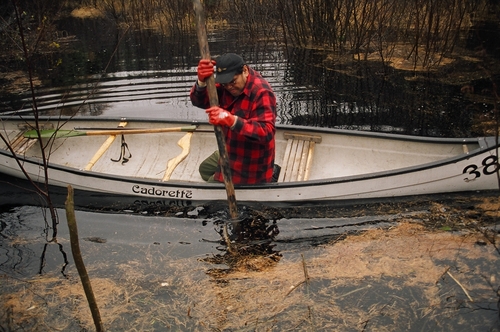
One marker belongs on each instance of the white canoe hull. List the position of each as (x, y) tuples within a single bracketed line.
[(346, 166)]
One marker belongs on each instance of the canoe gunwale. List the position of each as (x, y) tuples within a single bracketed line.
[(284, 127)]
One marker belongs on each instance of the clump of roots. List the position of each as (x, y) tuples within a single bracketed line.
[(248, 242)]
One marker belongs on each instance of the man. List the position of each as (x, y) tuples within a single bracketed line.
[(247, 115)]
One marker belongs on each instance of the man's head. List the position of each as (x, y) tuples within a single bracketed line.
[(231, 72), (228, 65)]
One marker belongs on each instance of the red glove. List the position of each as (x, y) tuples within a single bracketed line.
[(205, 69), (220, 117)]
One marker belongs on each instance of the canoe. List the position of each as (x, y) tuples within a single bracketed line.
[(159, 160)]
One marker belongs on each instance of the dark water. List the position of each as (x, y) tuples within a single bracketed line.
[(102, 71), (99, 70), (174, 272)]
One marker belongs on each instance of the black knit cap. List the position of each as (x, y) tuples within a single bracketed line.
[(228, 65)]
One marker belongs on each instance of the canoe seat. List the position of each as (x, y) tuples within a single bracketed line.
[(21, 144), (298, 157)]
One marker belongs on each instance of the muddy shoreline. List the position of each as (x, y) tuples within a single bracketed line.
[(436, 269)]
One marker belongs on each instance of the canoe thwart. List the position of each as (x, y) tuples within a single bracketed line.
[(185, 144), (104, 147), (299, 153)]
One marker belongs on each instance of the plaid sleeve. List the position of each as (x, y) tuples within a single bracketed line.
[(199, 96)]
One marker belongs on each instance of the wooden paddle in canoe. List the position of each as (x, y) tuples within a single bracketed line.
[(57, 133)]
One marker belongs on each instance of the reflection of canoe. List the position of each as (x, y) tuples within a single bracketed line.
[(317, 164)]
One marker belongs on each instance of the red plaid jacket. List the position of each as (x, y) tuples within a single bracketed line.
[(250, 144)]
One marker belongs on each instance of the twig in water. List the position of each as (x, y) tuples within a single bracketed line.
[(304, 267), (306, 277), (294, 287), (461, 286), (442, 275), (351, 292)]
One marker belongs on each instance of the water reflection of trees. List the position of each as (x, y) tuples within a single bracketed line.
[(369, 96)]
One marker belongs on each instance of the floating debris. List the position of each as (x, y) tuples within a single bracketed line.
[(95, 239)]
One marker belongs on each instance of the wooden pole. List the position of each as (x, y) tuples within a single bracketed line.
[(214, 101)]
